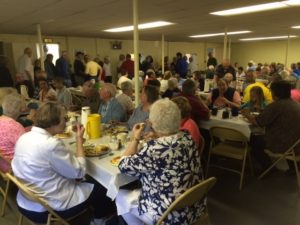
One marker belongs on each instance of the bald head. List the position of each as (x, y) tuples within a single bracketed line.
[(28, 51)]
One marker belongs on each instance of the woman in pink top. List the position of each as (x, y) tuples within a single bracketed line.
[(10, 130), (186, 122)]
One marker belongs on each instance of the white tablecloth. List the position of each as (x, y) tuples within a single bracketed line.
[(238, 123), (102, 170)]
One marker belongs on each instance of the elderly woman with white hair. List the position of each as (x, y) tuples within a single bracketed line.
[(166, 165), (11, 130)]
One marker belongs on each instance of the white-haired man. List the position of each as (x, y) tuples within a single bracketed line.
[(110, 109)]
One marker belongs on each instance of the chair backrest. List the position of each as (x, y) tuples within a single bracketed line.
[(296, 145), (190, 197), (202, 145), (228, 134), (5, 166), (30, 193)]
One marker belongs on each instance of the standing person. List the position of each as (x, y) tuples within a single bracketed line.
[(128, 65), (79, 67), (5, 75), (25, 70), (62, 67), (192, 66), (181, 66), (211, 60), (50, 67), (107, 69), (121, 60), (92, 68), (53, 169)]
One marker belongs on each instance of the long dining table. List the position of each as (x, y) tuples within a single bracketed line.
[(101, 168), (238, 123)]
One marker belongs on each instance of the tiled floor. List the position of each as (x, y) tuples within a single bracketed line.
[(275, 200)]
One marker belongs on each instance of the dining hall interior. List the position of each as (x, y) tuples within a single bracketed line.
[(95, 99)]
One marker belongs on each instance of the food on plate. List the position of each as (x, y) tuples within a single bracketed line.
[(115, 161), (64, 135), (115, 130), (95, 150)]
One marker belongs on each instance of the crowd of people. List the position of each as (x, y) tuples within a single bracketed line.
[(168, 117)]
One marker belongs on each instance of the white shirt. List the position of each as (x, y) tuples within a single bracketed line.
[(192, 67), (163, 85), (44, 162), (107, 69), (25, 64)]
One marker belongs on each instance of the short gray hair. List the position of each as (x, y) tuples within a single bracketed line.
[(126, 86), (165, 116), (12, 105)]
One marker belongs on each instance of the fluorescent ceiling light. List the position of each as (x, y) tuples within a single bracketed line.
[(296, 27), (267, 38), (257, 8), (221, 34), (140, 26)]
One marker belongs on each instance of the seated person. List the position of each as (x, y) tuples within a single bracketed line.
[(124, 77), (164, 81), (110, 109), (11, 130), (167, 166), (64, 96), (257, 101), (267, 93), (295, 93), (172, 90), (224, 96), (281, 121), (92, 97), (150, 75), (46, 92), (125, 99), (149, 95), (229, 78), (186, 122), (199, 110), (53, 169)]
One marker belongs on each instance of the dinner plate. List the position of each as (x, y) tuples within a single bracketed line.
[(64, 135), (92, 150), (115, 161)]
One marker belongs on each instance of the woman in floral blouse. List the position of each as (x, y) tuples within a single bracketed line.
[(167, 166)]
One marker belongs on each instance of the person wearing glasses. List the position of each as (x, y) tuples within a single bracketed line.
[(42, 161)]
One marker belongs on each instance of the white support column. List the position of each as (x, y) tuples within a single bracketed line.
[(229, 49), (162, 54), (136, 51), (225, 45), (41, 47), (287, 51)]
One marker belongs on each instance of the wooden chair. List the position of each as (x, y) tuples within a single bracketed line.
[(189, 198), (5, 167), (32, 195), (232, 144), (288, 155)]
